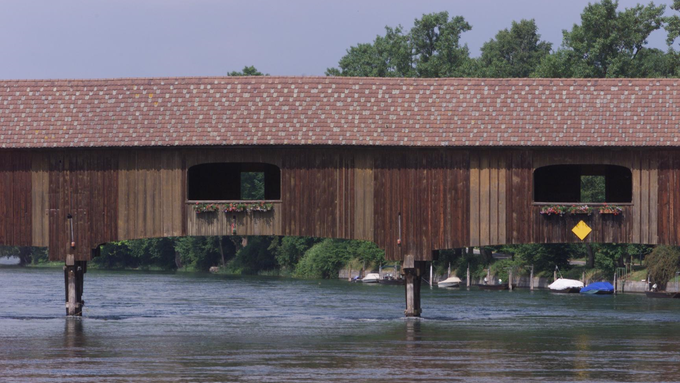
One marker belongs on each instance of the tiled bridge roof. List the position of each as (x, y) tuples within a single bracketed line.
[(336, 111)]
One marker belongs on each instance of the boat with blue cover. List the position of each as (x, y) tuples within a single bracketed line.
[(598, 288)]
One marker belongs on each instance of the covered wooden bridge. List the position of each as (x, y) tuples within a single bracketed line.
[(415, 165)]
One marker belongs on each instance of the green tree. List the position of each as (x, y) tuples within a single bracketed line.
[(289, 250), (673, 24), (544, 257), (258, 255), (323, 260), (662, 264), (514, 53), (247, 71), (430, 49), (608, 43), (435, 42)]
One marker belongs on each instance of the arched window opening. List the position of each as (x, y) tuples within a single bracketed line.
[(583, 183), (234, 182)]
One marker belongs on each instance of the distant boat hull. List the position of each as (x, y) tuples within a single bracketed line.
[(661, 294), (566, 286), (568, 290), (448, 284), (598, 288), (493, 287)]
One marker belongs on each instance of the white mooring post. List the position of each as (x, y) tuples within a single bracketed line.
[(468, 276), (431, 273), (616, 288)]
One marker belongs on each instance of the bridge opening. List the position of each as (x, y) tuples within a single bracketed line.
[(583, 183), (234, 182)]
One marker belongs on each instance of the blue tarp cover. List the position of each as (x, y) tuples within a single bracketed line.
[(599, 286)]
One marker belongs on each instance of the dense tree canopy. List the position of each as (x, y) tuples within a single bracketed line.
[(607, 43), (430, 49), (513, 53)]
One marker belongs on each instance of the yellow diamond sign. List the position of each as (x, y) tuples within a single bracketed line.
[(581, 230)]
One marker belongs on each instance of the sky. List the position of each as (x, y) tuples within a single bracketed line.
[(47, 39)]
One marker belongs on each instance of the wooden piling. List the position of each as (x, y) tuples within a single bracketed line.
[(73, 280), (531, 279), (413, 273), (510, 279)]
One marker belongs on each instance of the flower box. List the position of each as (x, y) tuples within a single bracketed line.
[(580, 209), (553, 210), (611, 209), (200, 208), (234, 207)]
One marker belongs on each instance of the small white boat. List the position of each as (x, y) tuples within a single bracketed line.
[(450, 282), (563, 285), (371, 278)]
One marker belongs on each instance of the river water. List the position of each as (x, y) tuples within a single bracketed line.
[(149, 327)]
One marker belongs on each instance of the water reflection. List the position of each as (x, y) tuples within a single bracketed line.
[(74, 336)]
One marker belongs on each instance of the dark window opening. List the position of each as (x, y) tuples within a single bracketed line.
[(583, 183), (234, 182)]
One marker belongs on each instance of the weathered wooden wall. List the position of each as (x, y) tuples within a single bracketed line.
[(668, 206), (444, 198), (16, 202)]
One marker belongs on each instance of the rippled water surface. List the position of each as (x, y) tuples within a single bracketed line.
[(184, 327)]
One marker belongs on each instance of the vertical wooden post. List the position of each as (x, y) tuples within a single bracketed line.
[(413, 273), (583, 278), (531, 279), (431, 274), (510, 279), (448, 273), (468, 276), (616, 287), (73, 280), (349, 278)]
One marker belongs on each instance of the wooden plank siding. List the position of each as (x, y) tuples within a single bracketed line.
[(16, 200), (83, 184), (447, 198)]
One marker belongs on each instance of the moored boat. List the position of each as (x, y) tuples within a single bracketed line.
[(493, 287), (598, 288), (566, 286), (452, 281), (371, 278)]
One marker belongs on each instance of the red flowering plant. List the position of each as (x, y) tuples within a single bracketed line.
[(206, 207), (580, 209), (261, 206), (611, 209), (235, 207), (553, 210)]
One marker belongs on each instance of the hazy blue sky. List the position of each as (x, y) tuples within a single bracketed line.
[(153, 38)]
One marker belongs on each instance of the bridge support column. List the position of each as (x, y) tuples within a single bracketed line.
[(74, 272), (413, 276)]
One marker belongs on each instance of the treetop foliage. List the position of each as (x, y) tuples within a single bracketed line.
[(607, 43)]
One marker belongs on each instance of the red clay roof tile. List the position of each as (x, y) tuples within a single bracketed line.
[(338, 111)]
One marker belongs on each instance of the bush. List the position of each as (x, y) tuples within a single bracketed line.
[(323, 260), (662, 263)]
